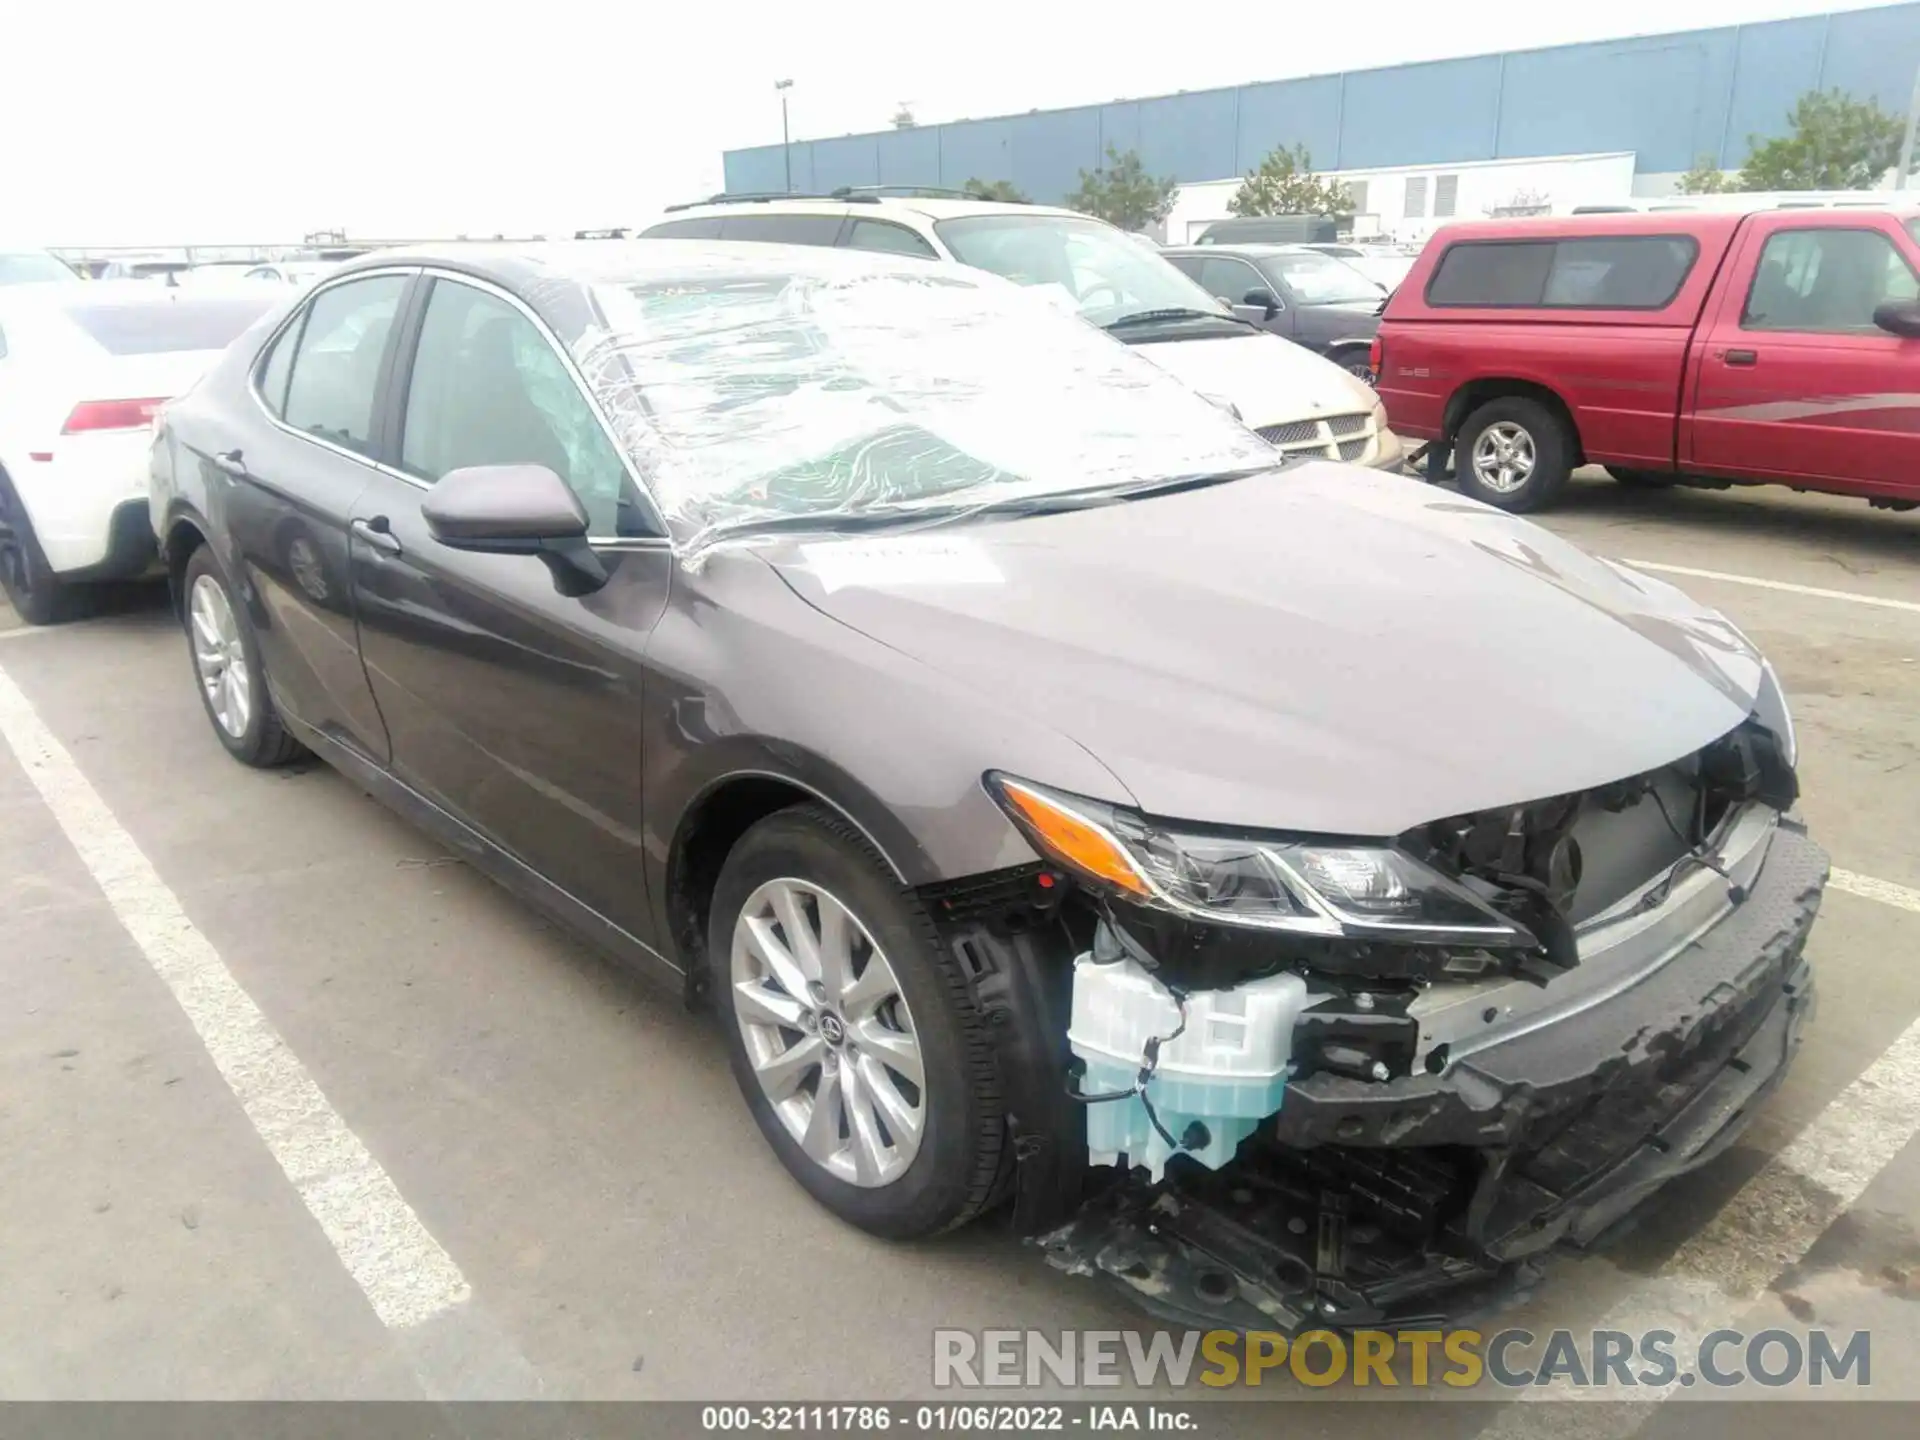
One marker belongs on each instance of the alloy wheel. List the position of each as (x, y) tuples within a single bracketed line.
[(828, 1032), (219, 657), (1503, 457)]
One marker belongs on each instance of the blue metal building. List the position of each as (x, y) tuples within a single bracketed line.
[(1668, 98)]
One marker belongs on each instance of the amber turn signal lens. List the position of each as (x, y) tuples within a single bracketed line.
[(1073, 840)]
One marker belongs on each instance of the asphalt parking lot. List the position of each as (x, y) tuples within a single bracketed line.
[(559, 1155)]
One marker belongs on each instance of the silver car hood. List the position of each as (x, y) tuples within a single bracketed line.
[(1322, 649)]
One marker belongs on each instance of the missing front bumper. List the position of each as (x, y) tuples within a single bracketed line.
[(1366, 1204)]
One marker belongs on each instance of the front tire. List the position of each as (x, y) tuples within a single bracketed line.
[(853, 1034), (227, 668), (1514, 453), (38, 596)]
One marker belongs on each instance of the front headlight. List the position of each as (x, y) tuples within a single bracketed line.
[(1362, 890)]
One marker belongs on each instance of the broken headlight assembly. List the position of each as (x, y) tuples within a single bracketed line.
[(1299, 885)]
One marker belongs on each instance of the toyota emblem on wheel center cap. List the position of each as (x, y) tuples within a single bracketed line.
[(831, 1028)]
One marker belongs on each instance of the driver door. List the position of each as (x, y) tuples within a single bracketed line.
[(1793, 380), (513, 707)]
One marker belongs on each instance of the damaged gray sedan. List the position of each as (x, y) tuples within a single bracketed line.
[(1292, 892)]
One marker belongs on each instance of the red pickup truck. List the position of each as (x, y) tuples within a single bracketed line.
[(1779, 347)]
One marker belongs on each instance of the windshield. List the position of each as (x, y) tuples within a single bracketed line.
[(1319, 279), (1087, 264), (28, 267), (849, 398)]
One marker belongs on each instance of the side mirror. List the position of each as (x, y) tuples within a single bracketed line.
[(1263, 300), (1899, 317), (516, 510)]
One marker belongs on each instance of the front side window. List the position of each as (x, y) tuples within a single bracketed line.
[(1230, 280), (336, 368), (489, 389), (889, 238), (1827, 281)]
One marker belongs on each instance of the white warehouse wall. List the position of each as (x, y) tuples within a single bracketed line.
[(1560, 182)]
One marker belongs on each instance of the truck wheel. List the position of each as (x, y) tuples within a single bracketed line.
[(853, 1033), (1514, 453), (1355, 362), (37, 594), (1640, 479)]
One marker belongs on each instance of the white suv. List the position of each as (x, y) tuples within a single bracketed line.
[(1296, 400)]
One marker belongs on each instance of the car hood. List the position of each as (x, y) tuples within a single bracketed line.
[(1321, 648), (1270, 381)]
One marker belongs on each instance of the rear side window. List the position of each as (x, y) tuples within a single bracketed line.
[(707, 227), (200, 323), (885, 236), (783, 229), (273, 374), (336, 366), (1611, 272)]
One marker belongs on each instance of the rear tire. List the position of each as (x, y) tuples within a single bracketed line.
[(1356, 363), (1514, 453), (228, 671), (854, 1043), (1640, 479), (38, 596)]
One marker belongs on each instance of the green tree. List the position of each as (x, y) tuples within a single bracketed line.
[(1286, 185), (1705, 178), (1001, 190), (1122, 193), (1836, 143)]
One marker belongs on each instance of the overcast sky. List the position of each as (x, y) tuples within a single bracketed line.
[(211, 120)]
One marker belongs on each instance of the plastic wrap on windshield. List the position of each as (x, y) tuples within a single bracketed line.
[(848, 393)]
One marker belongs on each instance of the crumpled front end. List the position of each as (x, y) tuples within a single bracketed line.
[(1282, 1128)]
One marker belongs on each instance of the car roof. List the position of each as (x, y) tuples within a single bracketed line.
[(524, 267), (926, 207)]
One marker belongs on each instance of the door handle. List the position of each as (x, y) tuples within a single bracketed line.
[(1742, 357), (229, 462), (378, 533)]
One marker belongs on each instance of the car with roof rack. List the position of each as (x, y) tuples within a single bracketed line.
[(1294, 399)]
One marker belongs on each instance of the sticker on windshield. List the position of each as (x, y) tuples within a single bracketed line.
[(874, 564)]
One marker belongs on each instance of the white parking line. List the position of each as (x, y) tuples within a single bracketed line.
[(404, 1273), (1868, 888), (1850, 596), (1771, 1222)]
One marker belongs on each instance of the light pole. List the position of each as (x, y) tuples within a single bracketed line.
[(786, 141), (1906, 141)]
